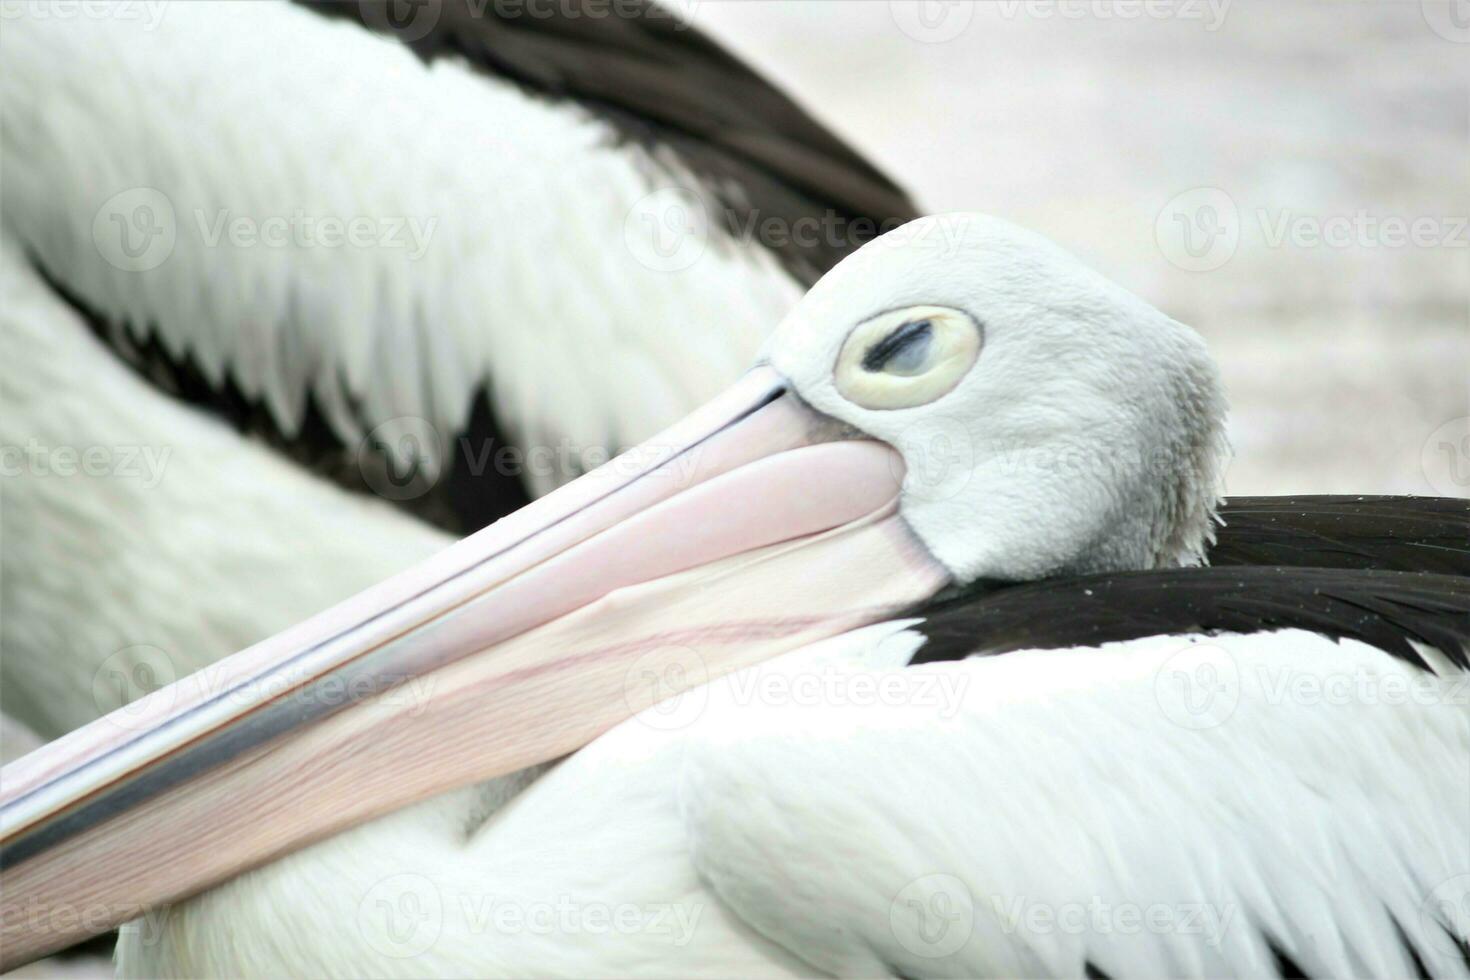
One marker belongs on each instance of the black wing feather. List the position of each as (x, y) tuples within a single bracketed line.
[(1384, 609), (1408, 534), (460, 501)]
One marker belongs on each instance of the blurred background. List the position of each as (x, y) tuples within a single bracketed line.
[(1256, 170), (1290, 178)]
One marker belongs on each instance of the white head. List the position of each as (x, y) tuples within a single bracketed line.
[(1050, 420)]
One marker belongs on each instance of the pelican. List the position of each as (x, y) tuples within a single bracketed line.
[(328, 285), (897, 658)]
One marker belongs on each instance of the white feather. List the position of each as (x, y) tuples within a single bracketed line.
[(179, 543), (494, 246), (830, 812)]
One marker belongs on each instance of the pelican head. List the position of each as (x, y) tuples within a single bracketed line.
[(958, 400), (1050, 421)]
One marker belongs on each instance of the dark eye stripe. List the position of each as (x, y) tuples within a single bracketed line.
[(886, 349)]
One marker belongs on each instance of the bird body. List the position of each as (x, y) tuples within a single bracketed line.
[(1088, 757), (838, 812), (1120, 764)]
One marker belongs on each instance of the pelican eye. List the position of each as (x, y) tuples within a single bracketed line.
[(905, 351), (909, 357)]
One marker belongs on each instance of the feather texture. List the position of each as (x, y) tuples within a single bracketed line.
[(1407, 534), (1392, 611), (497, 324)]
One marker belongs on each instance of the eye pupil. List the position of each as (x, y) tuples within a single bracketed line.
[(905, 351)]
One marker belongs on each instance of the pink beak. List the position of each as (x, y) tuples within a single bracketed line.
[(744, 531)]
